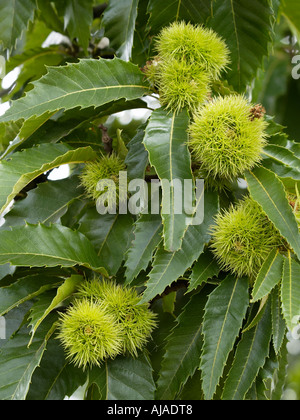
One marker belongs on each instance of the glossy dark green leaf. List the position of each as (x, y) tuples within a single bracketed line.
[(250, 356), (166, 141), (161, 14), (147, 236), (224, 315), (269, 275), (246, 28), (182, 350), (56, 377), (169, 266), (110, 234), (18, 362), (205, 268)]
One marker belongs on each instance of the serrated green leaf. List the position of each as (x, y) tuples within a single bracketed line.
[(110, 234), (39, 246), (147, 235), (97, 384), (268, 191), (166, 142), (281, 374), (169, 266), (141, 385), (78, 18), (283, 155), (14, 20), (63, 292), (18, 362), (34, 64), (195, 11), (224, 314), (84, 84), (269, 275), (250, 356), (278, 322), (25, 289), (45, 204), (25, 166), (119, 22), (55, 377), (111, 380), (252, 322), (290, 291), (205, 268), (182, 350), (137, 158), (246, 28)]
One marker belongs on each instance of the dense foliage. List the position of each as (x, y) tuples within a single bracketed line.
[(149, 306)]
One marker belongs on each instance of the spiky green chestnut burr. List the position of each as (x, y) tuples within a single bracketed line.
[(243, 237), (123, 303), (89, 334), (195, 45), (181, 84), (106, 167), (227, 137)]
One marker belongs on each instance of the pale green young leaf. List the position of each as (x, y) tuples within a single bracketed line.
[(63, 292), (278, 322)]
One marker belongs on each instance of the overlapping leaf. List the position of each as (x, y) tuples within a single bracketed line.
[(250, 356), (18, 362), (110, 234), (290, 291), (166, 141), (112, 379), (14, 20), (195, 11), (39, 246), (269, 275), (84, 84), (25, 166), (224, 315), (169, 266), (147, 235), (246, 28), (182, 350), (268, 191), (119, 21)]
